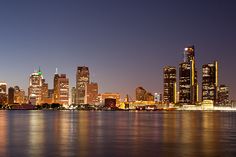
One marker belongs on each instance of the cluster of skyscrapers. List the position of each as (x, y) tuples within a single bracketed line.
[(188, 92), (86, 92)]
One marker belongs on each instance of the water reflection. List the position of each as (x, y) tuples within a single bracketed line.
[(73, 133)]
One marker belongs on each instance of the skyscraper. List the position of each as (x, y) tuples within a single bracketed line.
[(61, 89), (35, 87), (44, 92), (3, 93), (223, 95), (210, 81), (188, 86), (91, 93), (11, 95), (169, 84), (82, 78), (19, 95)]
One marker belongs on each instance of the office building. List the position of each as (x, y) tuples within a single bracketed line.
[(11, 95), (210, 81), (61, 89), (82, 78), (73, 95), (188, 85), (19, 95), (44, 92), (3, 93), (91, 93), (110, 96), (223, 95), (35, 87), (169, 94)]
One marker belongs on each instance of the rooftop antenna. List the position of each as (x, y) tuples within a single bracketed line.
[(56, 71)]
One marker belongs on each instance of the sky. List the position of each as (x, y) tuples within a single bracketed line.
[(125, 43)]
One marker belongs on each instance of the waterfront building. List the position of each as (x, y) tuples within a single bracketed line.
[(157, 97), (44, 92), (35, 87), (19, 95), (73, 95), (61, 89), (210, 81), (143, 95), (82, 78), (11, 95), (115, 96), (140, 93), (91, 93), (169, 94), (188, 85), (223, 95), (3, 93)]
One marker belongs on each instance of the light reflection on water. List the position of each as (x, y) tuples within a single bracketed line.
[(74, 133)]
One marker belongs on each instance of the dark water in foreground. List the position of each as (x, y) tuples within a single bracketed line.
[(68, 133)]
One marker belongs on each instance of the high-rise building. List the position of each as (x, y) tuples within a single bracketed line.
[(44, 92), (35, 87), (188, 85), (223, 95), (82, 78), (19, 95), (210, 81), (11, 95), (91, 93), (73, 95), (3, 93), (169, 94), (61, 89)]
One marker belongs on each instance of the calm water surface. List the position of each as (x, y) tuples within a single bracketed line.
[(81, 133)]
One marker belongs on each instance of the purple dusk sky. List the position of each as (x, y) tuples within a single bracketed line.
[(125, 43)]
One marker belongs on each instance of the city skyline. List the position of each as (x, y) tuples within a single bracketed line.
[(118, 41)]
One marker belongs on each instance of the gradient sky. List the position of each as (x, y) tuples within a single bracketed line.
[(125, 43)]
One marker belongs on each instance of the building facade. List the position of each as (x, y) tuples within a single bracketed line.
[(73, 95), (223, 95), (91, 93), (82, 78), (210, 81), (3, 93), (61, 89), (169, 75), (35, 88), (188, 85), (11, 91)]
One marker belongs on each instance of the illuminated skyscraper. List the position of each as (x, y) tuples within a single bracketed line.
[(35, 87), (82, 78), (169, 94), (210, 81), (188, 86), (61, 89), (11, 95), (44, 92), (19, 95), (91, 93), (223, 95), (3, 93)]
